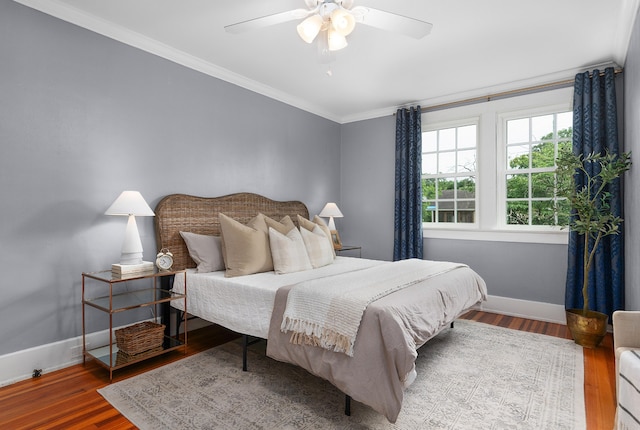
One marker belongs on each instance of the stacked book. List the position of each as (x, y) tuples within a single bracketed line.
[(131, 270)]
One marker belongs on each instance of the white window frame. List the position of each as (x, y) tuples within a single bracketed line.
[(490, 161), (501, 187), (454, 124)]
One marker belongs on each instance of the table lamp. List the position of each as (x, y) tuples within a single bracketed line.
[(130, 203), (330, 211)]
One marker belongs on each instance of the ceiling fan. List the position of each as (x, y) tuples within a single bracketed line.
[(334, 20)]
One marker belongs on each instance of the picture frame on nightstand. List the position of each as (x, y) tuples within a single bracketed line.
[(335, 238)]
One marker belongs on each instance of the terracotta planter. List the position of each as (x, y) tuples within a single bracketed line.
[(587, 330)]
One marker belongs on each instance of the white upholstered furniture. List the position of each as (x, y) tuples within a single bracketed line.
[(626, 341)]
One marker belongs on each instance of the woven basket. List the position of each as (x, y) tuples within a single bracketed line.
[(140, 337), (124, 358)]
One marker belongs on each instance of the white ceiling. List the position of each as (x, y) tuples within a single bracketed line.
[(475, 48)]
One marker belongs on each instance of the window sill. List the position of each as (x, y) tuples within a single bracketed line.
[(550, 237)]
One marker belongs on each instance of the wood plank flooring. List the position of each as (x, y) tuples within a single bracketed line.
[(67, 399)]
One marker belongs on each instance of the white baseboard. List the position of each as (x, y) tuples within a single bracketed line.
[(525, 309), (19, 365)]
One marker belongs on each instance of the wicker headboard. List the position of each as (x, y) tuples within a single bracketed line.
[(181, 212)]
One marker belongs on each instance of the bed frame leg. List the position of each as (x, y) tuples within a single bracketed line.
[(245, 347), (451, 324), (347, 405)]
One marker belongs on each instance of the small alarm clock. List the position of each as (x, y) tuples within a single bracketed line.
[(164, 259)]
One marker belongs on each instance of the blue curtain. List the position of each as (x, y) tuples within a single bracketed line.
[(595, 130), (408, 192)]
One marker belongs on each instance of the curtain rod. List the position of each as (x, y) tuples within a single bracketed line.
[(506, 94)]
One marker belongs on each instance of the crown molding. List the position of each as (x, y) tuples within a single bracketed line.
[(626, 19)]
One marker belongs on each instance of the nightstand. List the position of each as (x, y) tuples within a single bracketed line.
[(112, 294), (347, 248)]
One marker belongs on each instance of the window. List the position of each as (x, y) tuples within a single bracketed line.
[(532, 144), (488, 169), (449, 164)]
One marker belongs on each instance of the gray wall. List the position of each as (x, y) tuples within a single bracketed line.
[(632, 179), (82, 118), (368, 169)]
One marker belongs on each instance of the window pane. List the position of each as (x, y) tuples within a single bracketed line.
[(467, 137), (518, 213), (543, 155), (430, 141), (564, 211), (518, 157), (446, 162), (518, 130), (447, 139), (446, 188), (564, 147), (542, 128), (428, 211), (466, 161), (517, 186), (429, 164), (466, 212), (429, 188), (542, 184), (466, 188), (564, 121), (542, 213)]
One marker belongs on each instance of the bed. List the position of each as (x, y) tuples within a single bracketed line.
[(372, 365)]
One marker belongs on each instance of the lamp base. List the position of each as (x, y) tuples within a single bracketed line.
[(131, 258)]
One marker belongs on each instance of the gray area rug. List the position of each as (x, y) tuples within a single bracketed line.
[(474, 376)]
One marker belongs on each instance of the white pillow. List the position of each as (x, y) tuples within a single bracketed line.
[(288, 251), (319, 249), (310, 225), (206, 251)]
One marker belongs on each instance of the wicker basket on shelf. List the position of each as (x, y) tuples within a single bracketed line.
[(140, 337)]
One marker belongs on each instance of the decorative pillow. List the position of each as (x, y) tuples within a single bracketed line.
[(284, 226), (310, 225), (245, 247), (288, 251), (319, 250), (206, 251)]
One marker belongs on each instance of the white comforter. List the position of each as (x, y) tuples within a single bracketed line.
[(244, 304)]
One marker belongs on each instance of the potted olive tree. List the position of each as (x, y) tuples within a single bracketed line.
[(592, 218)]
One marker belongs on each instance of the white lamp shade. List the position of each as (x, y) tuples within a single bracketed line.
[(309, 28), (336, 40), (342, 22), (130, 203), (331, 210)]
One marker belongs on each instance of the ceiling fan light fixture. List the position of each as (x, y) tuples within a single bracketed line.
[(342, 22), (336, 41), (309, 28)]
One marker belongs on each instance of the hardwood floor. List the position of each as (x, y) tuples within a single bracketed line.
[(67, 399)]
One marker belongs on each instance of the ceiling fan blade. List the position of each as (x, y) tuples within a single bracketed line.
[(392, 22), (266, 21)]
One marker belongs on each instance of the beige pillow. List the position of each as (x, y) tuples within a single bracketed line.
[(245, 247), (288, 251), (310, 225), (319, 250), (206, 251), (284, 226)]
